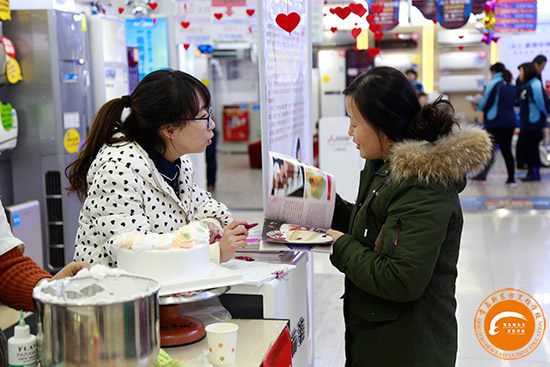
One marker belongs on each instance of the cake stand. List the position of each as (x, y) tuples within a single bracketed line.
[(177, 329)]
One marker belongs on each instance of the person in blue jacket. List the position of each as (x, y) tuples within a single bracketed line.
[(499, 119), (533, 114)]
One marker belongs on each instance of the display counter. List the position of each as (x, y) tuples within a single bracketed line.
[(254, 340)]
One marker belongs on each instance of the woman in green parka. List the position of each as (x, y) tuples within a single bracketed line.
[(398, 244)]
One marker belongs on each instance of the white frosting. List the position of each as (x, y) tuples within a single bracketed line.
[(99, 286)]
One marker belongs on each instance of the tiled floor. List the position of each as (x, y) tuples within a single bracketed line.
[(500, 249)]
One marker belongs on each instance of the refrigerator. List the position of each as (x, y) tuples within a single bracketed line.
[(54, 104)]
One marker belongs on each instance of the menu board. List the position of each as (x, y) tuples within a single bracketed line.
[(285, 79), (453, 14), (513, 16)]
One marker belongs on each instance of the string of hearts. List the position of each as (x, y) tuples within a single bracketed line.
[(360, 10)]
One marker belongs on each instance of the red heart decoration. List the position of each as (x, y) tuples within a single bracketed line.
[(355, 48), (332, 10), (358, 9), (218, 16), (154, 21), (356, 32), (250, 30), (379, 35), (486, 21), (186, 46), (461, 48), (120, 10), (153, 5), (434, 20), (461, 37), (373, 51), (375, 27), (185, 24), (343, 13), (333, 29), (370, 18), (377, 8), (250, 12), (288, 22), (397, 35)]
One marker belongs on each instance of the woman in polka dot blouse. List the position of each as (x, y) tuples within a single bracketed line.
[(134, 175)]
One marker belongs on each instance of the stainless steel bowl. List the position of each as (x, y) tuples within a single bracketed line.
[(89, 322)]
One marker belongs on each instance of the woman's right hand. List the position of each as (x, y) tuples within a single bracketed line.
[(233, 238)]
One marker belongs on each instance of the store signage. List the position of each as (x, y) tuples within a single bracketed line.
[(386, 13), (426, 7), (453, 14), (514, 16)]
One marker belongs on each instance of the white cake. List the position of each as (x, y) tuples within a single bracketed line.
[(169, 258)]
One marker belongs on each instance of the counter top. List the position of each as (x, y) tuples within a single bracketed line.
[(254, 340)]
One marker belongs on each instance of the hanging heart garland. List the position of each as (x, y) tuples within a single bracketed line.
[(185, 25), (120, 10), (186, 46), (153, 6), (357, 9), (373, 51), (288, 22), (333, 29), (218, 16), (355, 32), (343, 13), (250, 12)]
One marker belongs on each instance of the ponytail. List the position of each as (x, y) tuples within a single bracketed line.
[(106, 122), (507, 76), (434, 120)]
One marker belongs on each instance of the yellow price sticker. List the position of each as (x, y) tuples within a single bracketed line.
[(326, 79), (5, 11), (13, 70), (71, 141)]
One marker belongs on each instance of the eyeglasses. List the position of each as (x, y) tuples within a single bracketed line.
[(207, 118)]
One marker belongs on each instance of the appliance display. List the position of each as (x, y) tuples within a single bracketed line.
[(56, 100)]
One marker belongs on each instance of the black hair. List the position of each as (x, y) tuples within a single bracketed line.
[(529, 71), (539, 59), (412, 71), (500, 68), (163, 97), (388, 102)]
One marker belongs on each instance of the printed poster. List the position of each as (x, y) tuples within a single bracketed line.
[(235, 123), (285, 77), (453, 14)]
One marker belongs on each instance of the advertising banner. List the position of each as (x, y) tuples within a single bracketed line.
[(235, 123)]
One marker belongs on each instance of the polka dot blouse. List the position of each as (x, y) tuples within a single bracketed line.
[(126, 193)]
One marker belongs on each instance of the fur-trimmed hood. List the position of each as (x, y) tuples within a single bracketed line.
[(446, 160)]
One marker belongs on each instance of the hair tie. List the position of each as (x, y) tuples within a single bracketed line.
[(126, 101)]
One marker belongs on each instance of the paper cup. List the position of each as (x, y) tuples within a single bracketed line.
[(222, 343)]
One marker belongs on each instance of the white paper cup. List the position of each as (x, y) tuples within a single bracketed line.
[(222, 343)]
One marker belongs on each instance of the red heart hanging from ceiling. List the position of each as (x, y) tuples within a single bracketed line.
[(375, 27), (288, 22), (218, 16), (250, 12), (333, 29), (120, 10), (461, 48), (343, 13), (370, 19), (358, 9), (373, 51), (153, 5), (379, 35), (355, 48), (461, 37), (434, 20), (356, 32), (186, 46), (332, 10), (377, 8), (185, 24)]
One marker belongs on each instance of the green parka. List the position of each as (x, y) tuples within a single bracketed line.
[(400, 252)]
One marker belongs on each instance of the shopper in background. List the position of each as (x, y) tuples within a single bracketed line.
[(134, 175), (499, 119), (539, 63), (533, 113), (212, 162), (19, 275), (412, 75), (398, 244)]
